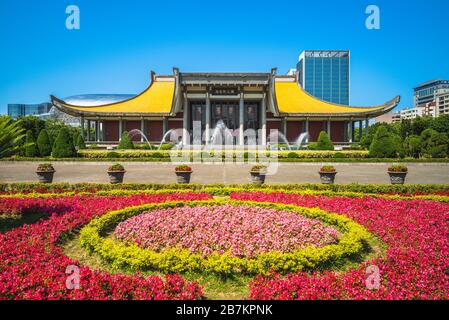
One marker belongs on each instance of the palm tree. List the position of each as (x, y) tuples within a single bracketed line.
[(11, 136)]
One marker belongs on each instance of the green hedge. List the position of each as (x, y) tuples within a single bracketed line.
[(159, 157), (90, 187), (303, 154), (130, 256)]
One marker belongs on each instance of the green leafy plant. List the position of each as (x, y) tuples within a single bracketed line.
[(117, 167), (43, 143), (11, 136)]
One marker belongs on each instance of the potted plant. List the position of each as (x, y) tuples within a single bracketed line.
[(116, 173), (183, 173), (258, 173), (45, 172), (397, 173), (327, 174)]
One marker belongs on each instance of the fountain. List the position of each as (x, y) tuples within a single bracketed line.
[(300, 139), (135, 132), (221, 131), (280, 138), (178, 143)]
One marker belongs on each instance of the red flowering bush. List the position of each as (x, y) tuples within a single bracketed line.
[(32, 265), (416, 265)]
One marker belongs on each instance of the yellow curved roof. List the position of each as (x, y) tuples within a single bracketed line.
[(291, 98), (157, 98)]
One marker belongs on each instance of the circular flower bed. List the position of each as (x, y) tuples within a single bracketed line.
[(413, 266), (254, 258), (243, 231)]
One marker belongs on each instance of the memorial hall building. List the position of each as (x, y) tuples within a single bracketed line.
[(261, 101)]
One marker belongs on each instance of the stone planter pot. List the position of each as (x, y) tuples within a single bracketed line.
[(397, 177), (116, 176), (183, 177), (327, 177), (45, 176), (257, 177)]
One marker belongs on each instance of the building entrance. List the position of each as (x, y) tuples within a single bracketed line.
[(228, 112)]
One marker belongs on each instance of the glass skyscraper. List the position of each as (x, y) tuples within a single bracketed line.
[(325, 74), (20, 110)]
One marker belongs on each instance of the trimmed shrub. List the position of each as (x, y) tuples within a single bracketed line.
[(125, 142), (383, 145), (43, 143), (31, 148), (323, 142), (64, 147), (80, 143), (340, 155), (167, 146), (112, 155)]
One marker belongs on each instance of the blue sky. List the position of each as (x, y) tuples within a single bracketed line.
[(121, 41)]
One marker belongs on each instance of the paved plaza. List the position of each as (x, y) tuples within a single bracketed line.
[(287, 173)]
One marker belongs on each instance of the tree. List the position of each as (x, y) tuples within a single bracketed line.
[(54, 127), (441, 123), (323, 142), (420, 124), (406, 128), (75, 136), (11, 136), (125, 142), (80, 143), (413, 146), (383, 145), (32, 123), (435, 144), (64, 147), (30, 148), (43, 143)]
